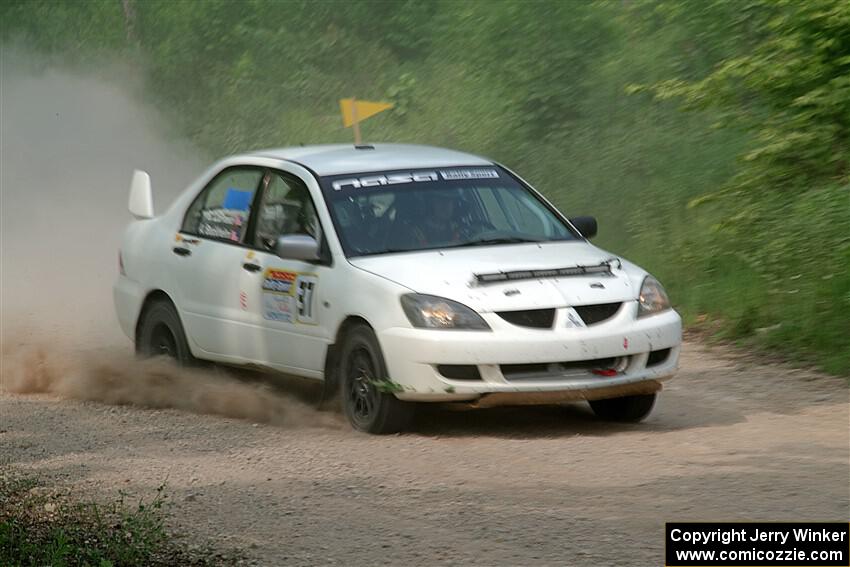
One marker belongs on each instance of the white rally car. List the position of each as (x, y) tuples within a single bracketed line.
[(398, 274)]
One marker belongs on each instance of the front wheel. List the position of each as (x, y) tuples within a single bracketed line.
[(631, 409), (366, 390)]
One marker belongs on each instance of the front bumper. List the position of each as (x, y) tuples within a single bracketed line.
[(415, 358)]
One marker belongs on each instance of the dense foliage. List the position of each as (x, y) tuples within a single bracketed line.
[(710, 137)]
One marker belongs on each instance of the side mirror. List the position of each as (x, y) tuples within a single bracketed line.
[(297, 247), (141, 198), (585, 225)]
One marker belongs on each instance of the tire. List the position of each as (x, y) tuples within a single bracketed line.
[(367, 408), (628, 409), (161, 333)]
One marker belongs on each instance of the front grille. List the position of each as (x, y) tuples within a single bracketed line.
[(459, 371), (559, 370), (593, 314), (534, 318)]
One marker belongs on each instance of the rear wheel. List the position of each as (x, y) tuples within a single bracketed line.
[(630, 409), (365, 400), (161, 333)]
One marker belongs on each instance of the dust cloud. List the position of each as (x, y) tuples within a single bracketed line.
[(115, 377), (69, 141)]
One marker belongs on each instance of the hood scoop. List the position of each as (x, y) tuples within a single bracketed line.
[(602, 269), (522, 277)]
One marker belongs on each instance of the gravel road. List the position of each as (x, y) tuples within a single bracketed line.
[(731, 439)]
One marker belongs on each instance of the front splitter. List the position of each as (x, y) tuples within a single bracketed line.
[(497, 399)]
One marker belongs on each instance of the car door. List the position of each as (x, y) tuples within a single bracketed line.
[(285, 296), (208, 258)]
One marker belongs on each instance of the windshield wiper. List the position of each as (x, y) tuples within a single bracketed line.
[(489, 241), (385, 251), (481, 242)]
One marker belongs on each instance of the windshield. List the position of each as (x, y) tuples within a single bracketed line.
[(401, 211)]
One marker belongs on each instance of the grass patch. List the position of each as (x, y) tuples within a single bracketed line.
[(798, 318), (42, 526)]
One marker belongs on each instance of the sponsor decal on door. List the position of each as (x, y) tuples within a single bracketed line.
[(289, 297)]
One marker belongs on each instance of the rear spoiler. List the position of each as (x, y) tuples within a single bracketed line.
[(141, 197)]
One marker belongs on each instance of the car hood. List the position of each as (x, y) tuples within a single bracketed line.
[(451, 273)]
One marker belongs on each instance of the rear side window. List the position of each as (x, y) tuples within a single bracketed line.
[(222, 209)]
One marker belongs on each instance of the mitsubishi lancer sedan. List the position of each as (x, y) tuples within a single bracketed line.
[(399, 275)]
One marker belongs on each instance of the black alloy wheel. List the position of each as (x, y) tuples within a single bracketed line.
[(368, 406), (628, 409)]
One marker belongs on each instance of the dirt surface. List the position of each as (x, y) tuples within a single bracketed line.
[(729, 440)]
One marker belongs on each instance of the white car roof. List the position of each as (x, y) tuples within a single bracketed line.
[(335, 159)]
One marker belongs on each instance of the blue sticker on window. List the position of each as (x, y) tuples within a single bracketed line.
[(237, 199)]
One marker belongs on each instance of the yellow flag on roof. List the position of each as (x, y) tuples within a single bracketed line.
[(354, 111)]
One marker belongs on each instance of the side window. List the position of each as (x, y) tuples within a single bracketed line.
[(285, 208), (222, 209)]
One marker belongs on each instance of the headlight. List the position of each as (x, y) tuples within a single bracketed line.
[(431, 312), (653, 299)]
